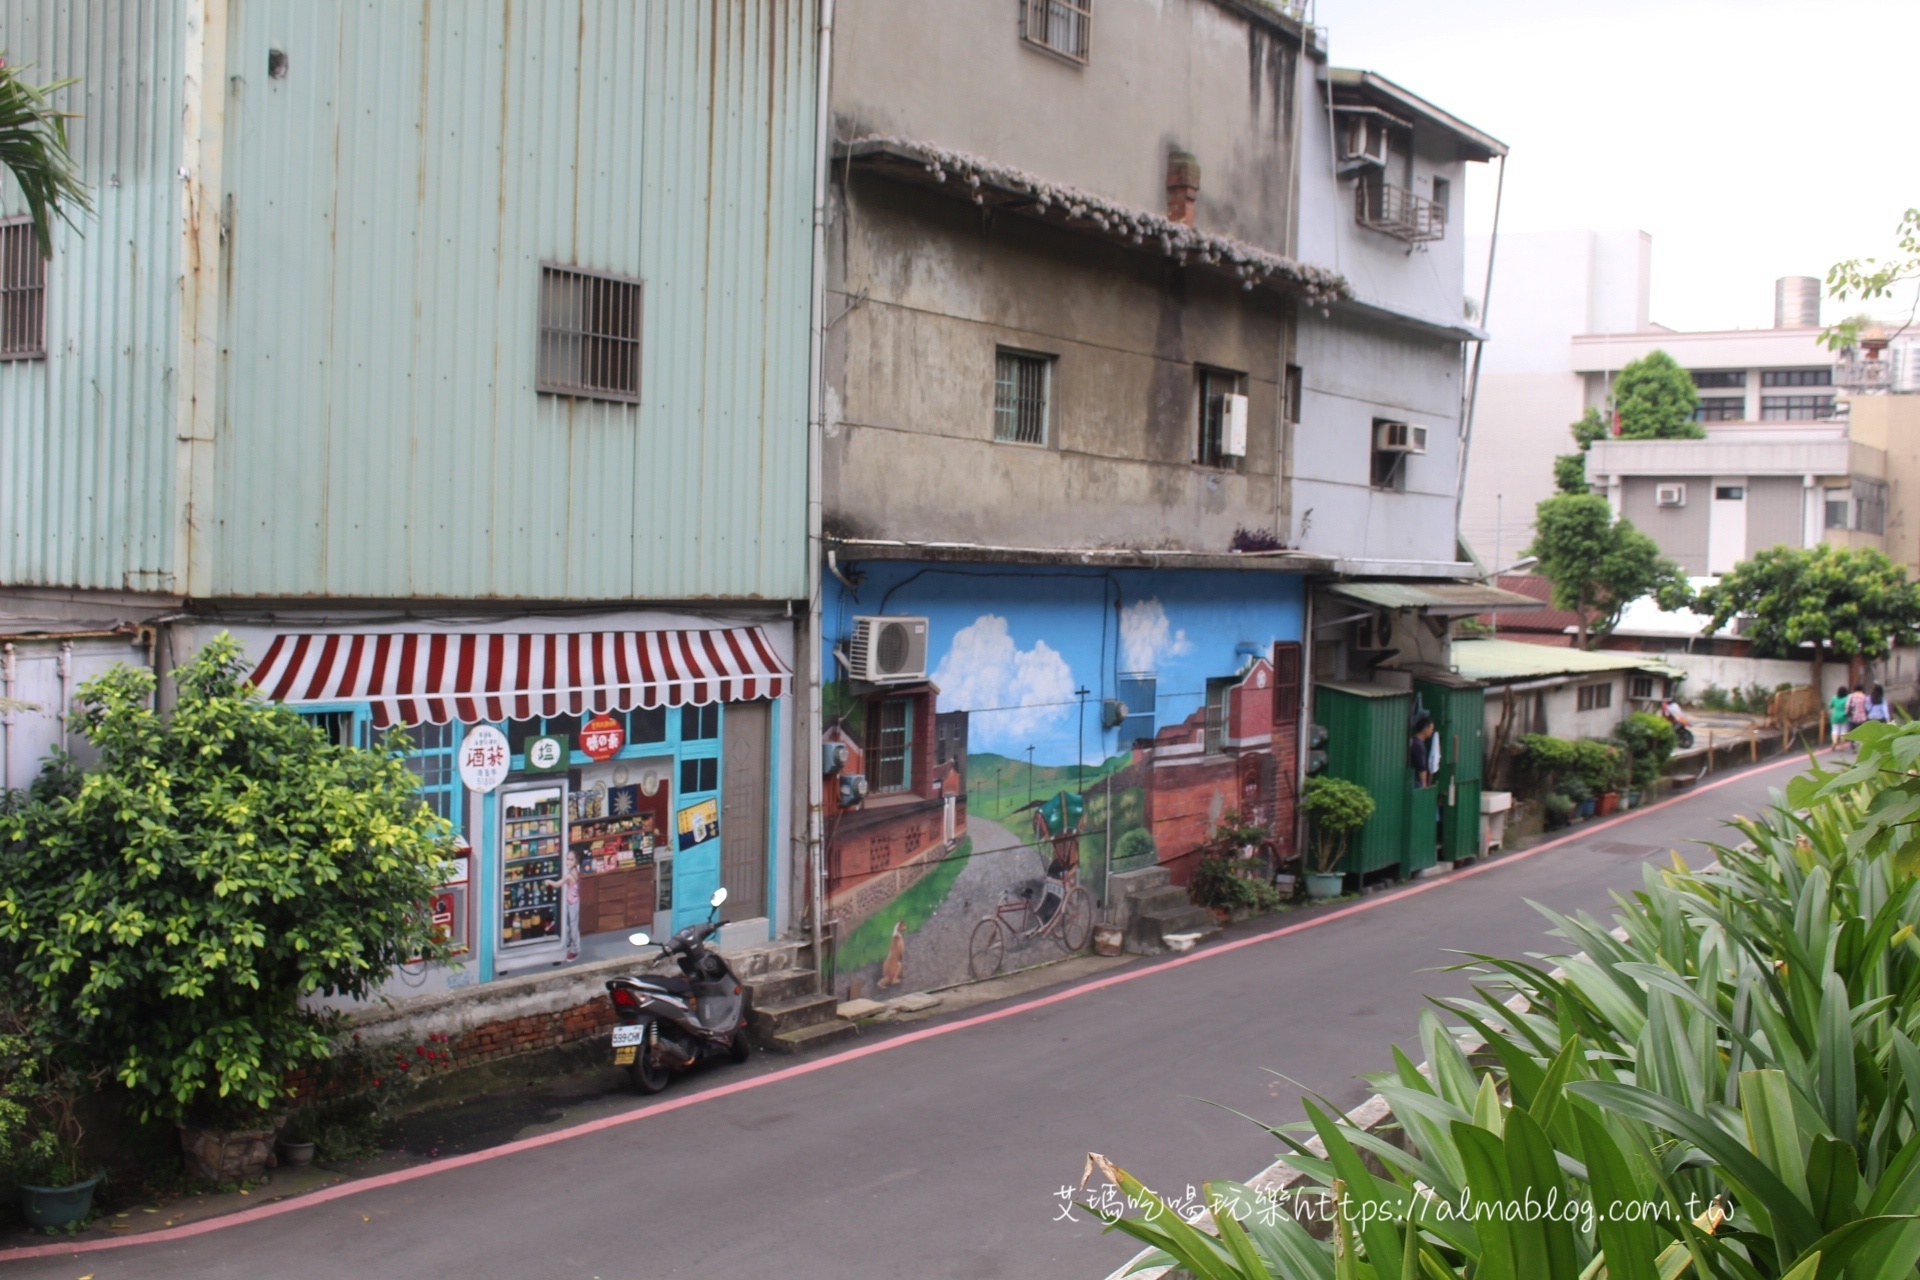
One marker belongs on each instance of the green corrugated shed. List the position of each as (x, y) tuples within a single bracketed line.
[(1459, 716), (1420, 845), (1367, 744)]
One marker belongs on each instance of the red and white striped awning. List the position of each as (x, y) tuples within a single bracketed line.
[(435, 677)]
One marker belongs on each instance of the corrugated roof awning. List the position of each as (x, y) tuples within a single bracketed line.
[(1508, 660), (1461, 598), (435, 677)]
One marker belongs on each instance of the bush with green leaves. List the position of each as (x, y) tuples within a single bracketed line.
[(1335, 808), (1558, 808), (1598, 764), (173, 906), (1649, 740), (1728, 1076), (40, 1092)]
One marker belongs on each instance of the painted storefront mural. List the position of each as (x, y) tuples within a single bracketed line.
[(1071, 725)]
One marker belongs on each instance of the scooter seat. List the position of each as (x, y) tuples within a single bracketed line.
[(671, 983)]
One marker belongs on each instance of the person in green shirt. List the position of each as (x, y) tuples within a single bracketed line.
[(1837, 715)]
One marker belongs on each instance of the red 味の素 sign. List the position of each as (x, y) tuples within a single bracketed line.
[(602, 737)]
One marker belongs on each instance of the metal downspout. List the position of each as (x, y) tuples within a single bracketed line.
[(7, 676), (811, 727), (1479, 348)]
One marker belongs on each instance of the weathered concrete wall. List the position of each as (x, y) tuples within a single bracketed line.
[(934, 287), (1354, 370), (1198, 75)]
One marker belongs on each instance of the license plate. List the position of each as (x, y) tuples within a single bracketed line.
[(624, 1057), (623, 1037)]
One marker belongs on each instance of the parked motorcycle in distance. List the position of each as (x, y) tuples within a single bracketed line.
[(667, 1022)]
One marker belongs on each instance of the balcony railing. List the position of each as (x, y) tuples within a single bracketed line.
[(1398, 212), (1863, 375)]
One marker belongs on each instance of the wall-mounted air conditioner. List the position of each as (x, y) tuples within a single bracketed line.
[(1363, 140), (1670, 495), (891, 649), (1399, 437), (1233, 426)]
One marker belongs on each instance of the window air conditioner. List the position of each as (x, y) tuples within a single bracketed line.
[(1399, 437), (1365, 140), (888, 650), (1670, 495), (1233, 426)]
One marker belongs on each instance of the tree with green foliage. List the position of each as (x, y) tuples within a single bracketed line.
[(172, 907), (1599, 565), (1335, 808), (1655, 400), (1844, 601), (1870, 279), (1570, 469), (33, 148)]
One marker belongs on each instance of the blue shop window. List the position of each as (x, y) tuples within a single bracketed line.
[(432, 759), (700, 723), (699, 774), (343, 727)]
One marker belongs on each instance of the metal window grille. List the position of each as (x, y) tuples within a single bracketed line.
[(23, 293), (1595, 697), (1216, 724), (1381, 205), (890, 745), (432, 761), (589, 335), (1020, 393), (1795, 408), (1869, 506), (1061, 26), (1642, 688)]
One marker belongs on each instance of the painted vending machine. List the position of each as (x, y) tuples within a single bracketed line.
[(533, 841)]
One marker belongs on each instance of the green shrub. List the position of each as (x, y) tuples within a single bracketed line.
[(1714, 698), (1649, 741), (1597, 764), (40, 1092), (1227, 882), (1558, 808), (171, 909), (1135, 849), (1576, 790), (1336, 808)]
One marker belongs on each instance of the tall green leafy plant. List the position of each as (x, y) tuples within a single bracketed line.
[(33, 148), (1599, 565), (173, 907), (1335, 809)]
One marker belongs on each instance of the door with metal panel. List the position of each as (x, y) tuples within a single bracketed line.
[(743, 809)]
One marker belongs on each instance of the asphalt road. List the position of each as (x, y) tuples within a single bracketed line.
[(942, 1157)]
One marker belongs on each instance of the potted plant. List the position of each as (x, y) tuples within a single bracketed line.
[(40, 1130), (1336, 809), (297, 1138), (1558, 809), (1577, 790)]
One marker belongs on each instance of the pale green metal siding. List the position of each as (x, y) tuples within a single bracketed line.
[(86, 437), (391, 200)]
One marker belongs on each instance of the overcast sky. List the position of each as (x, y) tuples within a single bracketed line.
[(1753, 139)]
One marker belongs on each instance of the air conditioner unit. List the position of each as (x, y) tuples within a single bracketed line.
[(888, 650), (1364, 139), (1670, 495), (1233, 426), (1399, 437)]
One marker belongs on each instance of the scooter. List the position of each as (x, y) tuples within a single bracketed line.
[(668, 1022)]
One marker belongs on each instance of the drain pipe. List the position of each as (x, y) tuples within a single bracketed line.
[(816, 436), (7, 677), (64, 665)]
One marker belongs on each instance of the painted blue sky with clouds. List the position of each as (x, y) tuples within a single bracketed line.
[(1012, 646)]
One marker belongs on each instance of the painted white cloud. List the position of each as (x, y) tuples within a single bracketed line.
[(1013, 693), (1146, 637)]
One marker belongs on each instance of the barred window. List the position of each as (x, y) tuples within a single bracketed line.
[(1022, 386), (23, 293), (1796, 378), (1795, 408), (890, 744), (1595, 697), (589, 335), (1058, 26)]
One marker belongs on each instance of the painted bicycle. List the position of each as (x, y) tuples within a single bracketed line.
[(1054, 905)]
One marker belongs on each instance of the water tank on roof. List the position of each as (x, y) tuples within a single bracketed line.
[(1796, 302)]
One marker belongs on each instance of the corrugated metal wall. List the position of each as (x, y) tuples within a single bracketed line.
[(391, 200), (86, 438)]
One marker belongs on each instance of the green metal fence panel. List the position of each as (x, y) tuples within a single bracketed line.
[(1459, 717), (1422, 841), (1367, 744)]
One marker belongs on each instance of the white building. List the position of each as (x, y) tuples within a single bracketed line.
[(1569, 310)]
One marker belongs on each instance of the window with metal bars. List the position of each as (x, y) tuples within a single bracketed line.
[(1058, 26), (589, 335), (1022, 387), (890, 744), (1215, 386), (23, 293)]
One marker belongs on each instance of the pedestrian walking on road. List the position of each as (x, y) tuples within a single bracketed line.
[(1837, 715), (1877, 708)]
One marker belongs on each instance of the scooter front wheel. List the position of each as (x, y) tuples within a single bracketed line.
[(739, 1047)]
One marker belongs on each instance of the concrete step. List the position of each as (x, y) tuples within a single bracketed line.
[(770, 1020), (1167, 897), (807, 1039), (779, 986), (1148, 935)]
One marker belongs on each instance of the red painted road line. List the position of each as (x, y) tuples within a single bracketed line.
[(379, 1180)]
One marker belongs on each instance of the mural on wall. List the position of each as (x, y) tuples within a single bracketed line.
[(1070, 725)]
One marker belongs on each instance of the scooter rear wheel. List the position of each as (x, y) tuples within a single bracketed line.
[(739, 1048), (645, 1075)]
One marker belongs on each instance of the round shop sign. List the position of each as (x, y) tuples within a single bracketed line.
[(545, 754), (484, 758), (602, 737)]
